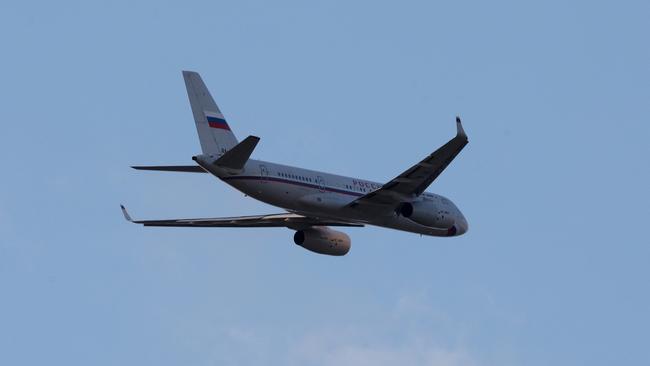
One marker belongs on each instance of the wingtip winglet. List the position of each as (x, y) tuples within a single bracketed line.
[(126, 214), (459, 128)]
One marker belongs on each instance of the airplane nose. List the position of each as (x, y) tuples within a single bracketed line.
[(461, 225)]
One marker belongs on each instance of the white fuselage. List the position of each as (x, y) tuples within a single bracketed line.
[(324, 195)]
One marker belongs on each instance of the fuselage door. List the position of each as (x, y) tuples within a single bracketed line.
[(264, 174), (321, 183)]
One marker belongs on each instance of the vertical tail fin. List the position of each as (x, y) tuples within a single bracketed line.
[(214, 132)]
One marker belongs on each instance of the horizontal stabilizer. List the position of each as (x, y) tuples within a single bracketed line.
[(237, 157), (172, 168)]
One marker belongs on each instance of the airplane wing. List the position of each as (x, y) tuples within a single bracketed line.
[(417, 178), (289, 220)]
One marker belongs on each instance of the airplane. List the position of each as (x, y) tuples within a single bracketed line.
[(314, 201)]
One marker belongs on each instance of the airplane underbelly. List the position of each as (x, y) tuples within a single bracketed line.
[(274, 193), (313, 202)]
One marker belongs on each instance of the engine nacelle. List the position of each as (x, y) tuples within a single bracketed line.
[(427, 214), (323, 240)]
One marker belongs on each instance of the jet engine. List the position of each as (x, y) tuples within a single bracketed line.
[(323, 240), (426, 213)]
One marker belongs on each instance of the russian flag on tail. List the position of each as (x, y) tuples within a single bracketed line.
[(217, 122)]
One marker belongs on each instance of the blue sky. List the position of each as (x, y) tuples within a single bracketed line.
[(554, 96)]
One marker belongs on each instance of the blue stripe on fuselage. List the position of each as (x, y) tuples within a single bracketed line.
[(287, 181)]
